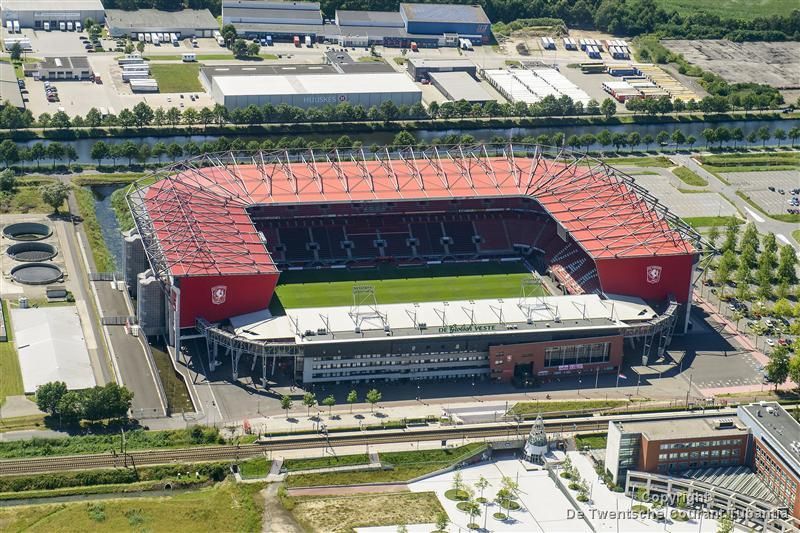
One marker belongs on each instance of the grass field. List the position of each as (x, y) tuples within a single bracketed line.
[(592, 440), (406, 465), (174, 387), (255, 468), (103, 260), (741, 9), (26, 199), (648, 161), (398, 285), (183, 78), (325, 462), (345, 513), (11, 380), (225, 507), (707, 222), (689, 177)]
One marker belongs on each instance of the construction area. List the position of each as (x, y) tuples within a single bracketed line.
[(773, 63)]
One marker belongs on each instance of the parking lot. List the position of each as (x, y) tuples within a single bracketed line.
[(773, 63), (757, 186), (665, 187)]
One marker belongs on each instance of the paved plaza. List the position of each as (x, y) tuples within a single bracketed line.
[(667, 188)]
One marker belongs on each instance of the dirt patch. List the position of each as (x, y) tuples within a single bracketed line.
[(343, 513), (336, 491), (276, 518), (773, 63)]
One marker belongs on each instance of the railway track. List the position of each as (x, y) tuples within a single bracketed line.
[(511, 430)]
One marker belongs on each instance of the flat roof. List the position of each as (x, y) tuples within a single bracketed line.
[(272, 4), (217, 71), (51, 5), (735, 478), (51, 347), (444, 13), (389, 82), (198, 210), (684, 428), (780, 426), (342, 62), (9, 88), (421, 62), (460, 86), (283, 29), (200, 19), (72, 62), (502, 315), (345, 17), (310, 16)]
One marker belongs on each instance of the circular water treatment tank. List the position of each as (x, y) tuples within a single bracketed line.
[(36, 273), (31, 252), (27, 231)]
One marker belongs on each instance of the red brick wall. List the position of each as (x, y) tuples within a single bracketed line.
[(770, 473), (650, 449), (503, 358)]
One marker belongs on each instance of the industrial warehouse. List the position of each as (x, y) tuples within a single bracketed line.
[(307, 86), (213, 235), (34, 13), (185, 23), (414, 25)]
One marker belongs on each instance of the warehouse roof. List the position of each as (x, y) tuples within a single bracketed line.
[(214, 71), (444, 13), (73, 62), (200, 19), (420, 62), (9, 89), (236, 13), (506, 315), (275, 28), (460, 86), (51, 5), (393, 82), (272, 4), (346, 17)]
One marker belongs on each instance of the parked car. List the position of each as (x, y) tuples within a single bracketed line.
[(770, 343)]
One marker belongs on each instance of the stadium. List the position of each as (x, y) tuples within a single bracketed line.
[(514, 263)]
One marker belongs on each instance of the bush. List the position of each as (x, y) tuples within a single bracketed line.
[(574, 486), (583, 498)]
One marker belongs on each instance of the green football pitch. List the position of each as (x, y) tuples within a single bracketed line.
[(402, 285)]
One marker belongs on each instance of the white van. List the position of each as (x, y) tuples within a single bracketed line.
[(78, 26), (189, 57)]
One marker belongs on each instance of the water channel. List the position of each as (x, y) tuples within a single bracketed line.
[(84, 146)]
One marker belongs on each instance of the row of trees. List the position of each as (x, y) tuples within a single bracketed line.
[(372, 397), (110, 401), (749, 260), (129, 151), (783, 366)]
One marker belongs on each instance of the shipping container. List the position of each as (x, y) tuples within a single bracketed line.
[(16, 27), (308, 41)]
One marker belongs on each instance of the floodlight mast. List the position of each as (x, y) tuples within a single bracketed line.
[(365, 306)]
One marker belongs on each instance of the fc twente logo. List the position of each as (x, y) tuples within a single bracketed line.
[(653, 274), (218, 294)]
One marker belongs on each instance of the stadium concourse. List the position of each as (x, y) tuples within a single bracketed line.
[(213, 234)]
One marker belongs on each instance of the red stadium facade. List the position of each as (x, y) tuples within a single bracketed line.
[(218, 229)]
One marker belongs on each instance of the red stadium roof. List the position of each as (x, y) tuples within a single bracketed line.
[(199, 224)]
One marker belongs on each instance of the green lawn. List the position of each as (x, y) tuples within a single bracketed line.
[(592, 440), (174, 387), (223, 507), (741, 9), (183, 78), (707, 222), (397, 285), (796, 235), (534, 408), (26, 199), (255, 468), (325, 462), (406, 465), (645, 161), (689, 177), (10, 374)]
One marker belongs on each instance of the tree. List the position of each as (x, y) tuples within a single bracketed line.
[(55, 150), (779, 134), (678, 138), (352, 397), (782, 308), (239, 48), (309, 400), (99, 151), (471, 509), (608, 108), (481, 485), (16, 51), (8, 181), (777, 367), (172, 116), (140, 47), (49, 394), (286, 404), (174, 151), (709, 135), (373, 397), (70, 406), (764, 135), (158, 150), (442, 521), (458, 482), (54, 194), (794, 369), (329, 402), (38, 152), (228, 32), (143, 114), (787, 265), (9, 152), (253, 49), (662, 137), (404, 138)]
